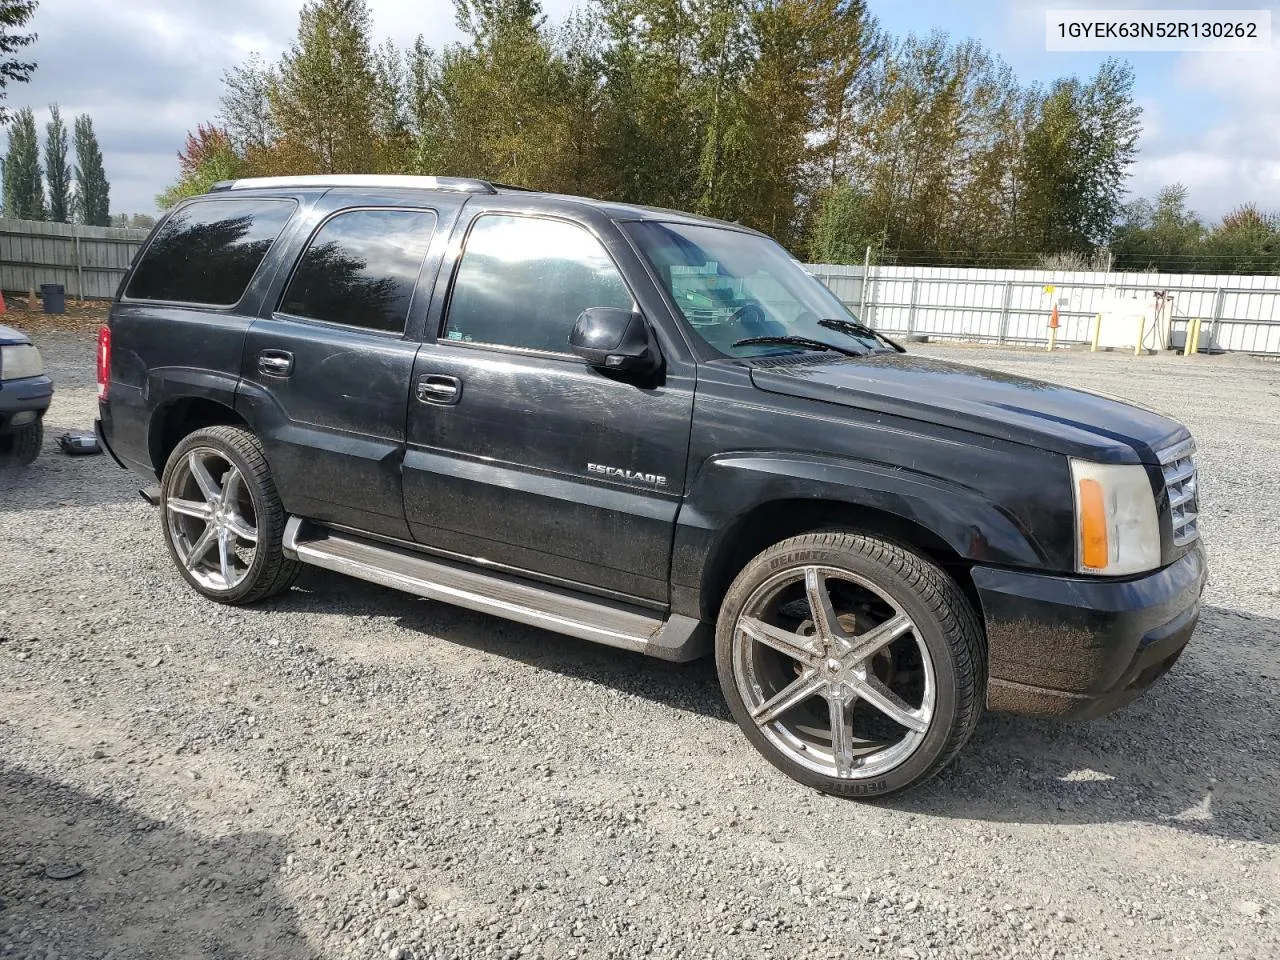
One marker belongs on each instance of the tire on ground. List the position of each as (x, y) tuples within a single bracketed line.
[(21, 447), (271, 572), (944, 619)]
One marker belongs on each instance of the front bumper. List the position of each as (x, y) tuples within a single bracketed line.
[(1080, 647), (24, 401)]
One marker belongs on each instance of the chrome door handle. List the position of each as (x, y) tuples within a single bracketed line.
[(276, 363), (436, 388)]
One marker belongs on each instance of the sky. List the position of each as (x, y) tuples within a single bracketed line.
[(149, 70)]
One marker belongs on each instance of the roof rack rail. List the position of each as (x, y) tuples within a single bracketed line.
[(460, 184)]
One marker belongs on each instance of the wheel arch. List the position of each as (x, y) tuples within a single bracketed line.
[(740, 504), (776, 520), (180, 416)]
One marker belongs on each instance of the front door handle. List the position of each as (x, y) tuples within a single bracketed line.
[(276, 363), (437, 388)]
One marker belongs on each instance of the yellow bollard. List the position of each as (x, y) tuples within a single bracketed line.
[(1193, 338), (1097, 332), (1053, 338), (1142, 332)]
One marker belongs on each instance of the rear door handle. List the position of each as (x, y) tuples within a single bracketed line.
[(276, 363), (437, 388)]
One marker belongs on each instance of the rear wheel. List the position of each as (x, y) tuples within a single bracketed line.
[(20, 447), (222, 517), (854, 665)]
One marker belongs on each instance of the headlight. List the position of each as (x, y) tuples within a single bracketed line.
[(20, 361), (1117, 531)]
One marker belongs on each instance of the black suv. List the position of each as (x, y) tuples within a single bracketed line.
[(654, 431)]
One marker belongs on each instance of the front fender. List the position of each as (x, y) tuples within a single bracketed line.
[(730, 487)]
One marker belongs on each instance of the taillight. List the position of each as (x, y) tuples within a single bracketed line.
[(104, 362)]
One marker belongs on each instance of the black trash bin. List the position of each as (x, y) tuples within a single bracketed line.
[(54, 297)]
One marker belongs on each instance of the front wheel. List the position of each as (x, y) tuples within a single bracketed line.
[(222, 518), (20, 447), (854, 665)]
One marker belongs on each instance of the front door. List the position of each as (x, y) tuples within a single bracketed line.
[(329, 369), (519, 453)]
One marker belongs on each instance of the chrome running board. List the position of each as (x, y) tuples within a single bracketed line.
[(564, 611)]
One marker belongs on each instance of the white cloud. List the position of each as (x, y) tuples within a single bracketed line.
[(1230, 156)]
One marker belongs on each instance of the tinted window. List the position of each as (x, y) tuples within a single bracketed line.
[(523, 281), (207, 252), (361, 269)]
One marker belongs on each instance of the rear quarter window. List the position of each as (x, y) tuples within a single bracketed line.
[(208, 251)]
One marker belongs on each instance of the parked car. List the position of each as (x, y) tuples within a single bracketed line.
[(654, 431), (25, 394)]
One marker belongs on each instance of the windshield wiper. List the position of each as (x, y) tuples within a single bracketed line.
[(856, 329), (796, 342)]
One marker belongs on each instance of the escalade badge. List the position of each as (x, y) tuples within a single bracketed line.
[(657, 479)]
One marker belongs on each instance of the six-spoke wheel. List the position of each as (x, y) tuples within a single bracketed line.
[(222, 518), (853, 664)]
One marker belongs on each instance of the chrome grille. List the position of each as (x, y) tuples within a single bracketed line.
[(1181, 482)]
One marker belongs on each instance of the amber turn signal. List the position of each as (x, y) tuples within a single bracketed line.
[(1093, 525)]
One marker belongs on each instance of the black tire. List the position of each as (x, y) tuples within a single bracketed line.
[(942, 622), (269, 572), (20, 447)]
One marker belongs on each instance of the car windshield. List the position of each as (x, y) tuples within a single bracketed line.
[(733, 286)]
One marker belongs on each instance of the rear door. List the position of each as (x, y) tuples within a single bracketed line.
[(327, 364), (522, 455)]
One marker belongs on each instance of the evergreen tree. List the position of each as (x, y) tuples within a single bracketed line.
[(23, 185), (14, 15), (92, 188), (56, 170)]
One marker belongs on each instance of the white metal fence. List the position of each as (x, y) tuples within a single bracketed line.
[(87, 261), (1013, 306)]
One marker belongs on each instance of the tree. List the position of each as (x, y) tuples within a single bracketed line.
[(1077, 158), (92, 187), (495, 106), (323, 95), (141, 221), (1160, 235), (14, 15), (56, 170), (23, 185), (207, 157), (841, 232), (1246, 240), (246, 106)]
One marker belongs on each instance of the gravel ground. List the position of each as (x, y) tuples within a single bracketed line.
[(350, 772)]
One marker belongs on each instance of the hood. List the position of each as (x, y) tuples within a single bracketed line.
[(1001, 405), (11, 336)]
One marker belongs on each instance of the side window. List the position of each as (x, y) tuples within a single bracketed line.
[(524, 280), (207, 252), (361, 269)]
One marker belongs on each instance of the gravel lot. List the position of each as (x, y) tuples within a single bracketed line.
[(351, 772)]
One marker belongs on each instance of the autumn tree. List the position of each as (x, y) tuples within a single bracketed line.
[(207, 157), (322, 96)]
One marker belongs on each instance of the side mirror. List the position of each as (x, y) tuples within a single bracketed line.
[(614, 339)]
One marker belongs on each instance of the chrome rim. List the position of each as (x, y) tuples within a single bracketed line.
[(833, 672), (211, 520)]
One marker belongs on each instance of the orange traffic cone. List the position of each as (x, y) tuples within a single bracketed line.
[(1053, 318), (3, 308)]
